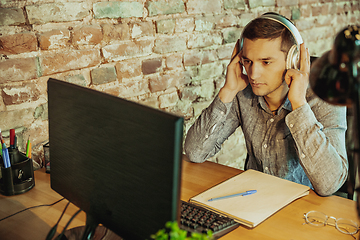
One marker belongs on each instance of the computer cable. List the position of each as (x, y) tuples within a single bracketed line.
[(42, 205), (53, 229), (59, 237)]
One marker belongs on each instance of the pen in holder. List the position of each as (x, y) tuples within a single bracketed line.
[(19, 177)]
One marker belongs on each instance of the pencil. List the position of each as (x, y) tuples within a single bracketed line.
[(28, 148)]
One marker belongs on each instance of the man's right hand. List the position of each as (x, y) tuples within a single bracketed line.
[(235, 79)]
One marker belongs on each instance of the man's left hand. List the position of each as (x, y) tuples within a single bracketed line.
[(298, 80)]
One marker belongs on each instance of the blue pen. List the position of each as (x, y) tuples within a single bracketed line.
[(6, 157), (234, 195)]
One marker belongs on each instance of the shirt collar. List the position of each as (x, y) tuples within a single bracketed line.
[(261, 102)]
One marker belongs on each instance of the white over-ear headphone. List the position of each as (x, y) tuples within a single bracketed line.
[(292, 59)]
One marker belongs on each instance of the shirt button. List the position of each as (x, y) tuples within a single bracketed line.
[(265, 145), (206, 136), (271, 120), (291, 125), (303, 155), (266, 169), (222, 113)]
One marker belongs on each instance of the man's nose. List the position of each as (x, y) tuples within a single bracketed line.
[(255, 71)]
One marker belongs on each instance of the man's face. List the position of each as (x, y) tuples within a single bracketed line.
[(264, 63)]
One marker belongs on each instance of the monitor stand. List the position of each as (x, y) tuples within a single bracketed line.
[(92, 231)]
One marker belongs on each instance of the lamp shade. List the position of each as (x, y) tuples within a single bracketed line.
[(335, 76)]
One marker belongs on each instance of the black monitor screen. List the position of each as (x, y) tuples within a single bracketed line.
[(117, 160)]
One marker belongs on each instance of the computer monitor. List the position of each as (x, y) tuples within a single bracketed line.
[(117, 160)]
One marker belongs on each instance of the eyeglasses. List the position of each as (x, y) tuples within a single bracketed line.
[(319, 219)]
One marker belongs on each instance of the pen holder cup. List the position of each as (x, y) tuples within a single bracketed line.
[(18, 178)]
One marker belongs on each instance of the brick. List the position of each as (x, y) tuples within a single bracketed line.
[(54, 39), (66, 61), (18, 43), (41, 112), (128, 49), (204, 6), (190, 93), (161, 82), (207, 90), (224, 21), (78, 79), (115, 32), (205, 71), (184, 25), (255, 3), (182, 108), (174, 61), (165, 7), (20, 94), (305, 11), (285, 11), (320, 10), (304, 24), (204, 40), (128, 69), (18, 69), (168, 80), (57, 12), (168, 99), (209, 56), (285, 3), (11, 16), (193, 58), (245, 18), (165, 26), (150, 102), (169, 44), (142, 29), (103, 75), (2, 104), (118, 9), (269, 3), (14, 119), (234, 4), (225, 52), (150, 66), (133, 88), (295, 14), (203, 91), (87, 35), (231, 34), (204, 23)]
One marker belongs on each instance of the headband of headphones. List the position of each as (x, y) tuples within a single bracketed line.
[(292, 58), (283, 21)]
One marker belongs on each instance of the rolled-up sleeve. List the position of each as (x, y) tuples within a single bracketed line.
[(214, 125), (319, 134)]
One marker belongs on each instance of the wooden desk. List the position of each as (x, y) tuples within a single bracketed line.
[(285, 224)]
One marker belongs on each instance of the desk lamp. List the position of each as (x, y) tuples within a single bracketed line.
[(335, 78)]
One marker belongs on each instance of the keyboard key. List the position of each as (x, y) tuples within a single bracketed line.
[(197, 219)]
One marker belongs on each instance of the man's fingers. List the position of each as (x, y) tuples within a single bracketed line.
[(235, 51), (304, 59)]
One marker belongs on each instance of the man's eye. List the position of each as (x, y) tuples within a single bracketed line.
[(266, 62), (246, 61)]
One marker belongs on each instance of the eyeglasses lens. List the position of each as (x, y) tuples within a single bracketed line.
[(316, 218), (346, 226)]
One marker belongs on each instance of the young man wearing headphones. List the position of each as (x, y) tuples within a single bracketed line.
[(289, 132)]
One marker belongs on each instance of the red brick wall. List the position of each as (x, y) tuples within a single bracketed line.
[(168, 54)]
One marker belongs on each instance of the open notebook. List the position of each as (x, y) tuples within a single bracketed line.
[(272, 194)]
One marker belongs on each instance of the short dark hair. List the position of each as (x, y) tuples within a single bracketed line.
[(262, 28)]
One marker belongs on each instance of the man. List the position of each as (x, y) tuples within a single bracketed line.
[(289, 132)]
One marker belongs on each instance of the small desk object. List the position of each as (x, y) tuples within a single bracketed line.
[(285, 224)]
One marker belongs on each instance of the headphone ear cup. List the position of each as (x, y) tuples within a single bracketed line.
[(292, 58)]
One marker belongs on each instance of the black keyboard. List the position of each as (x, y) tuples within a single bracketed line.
[(194, 218)]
